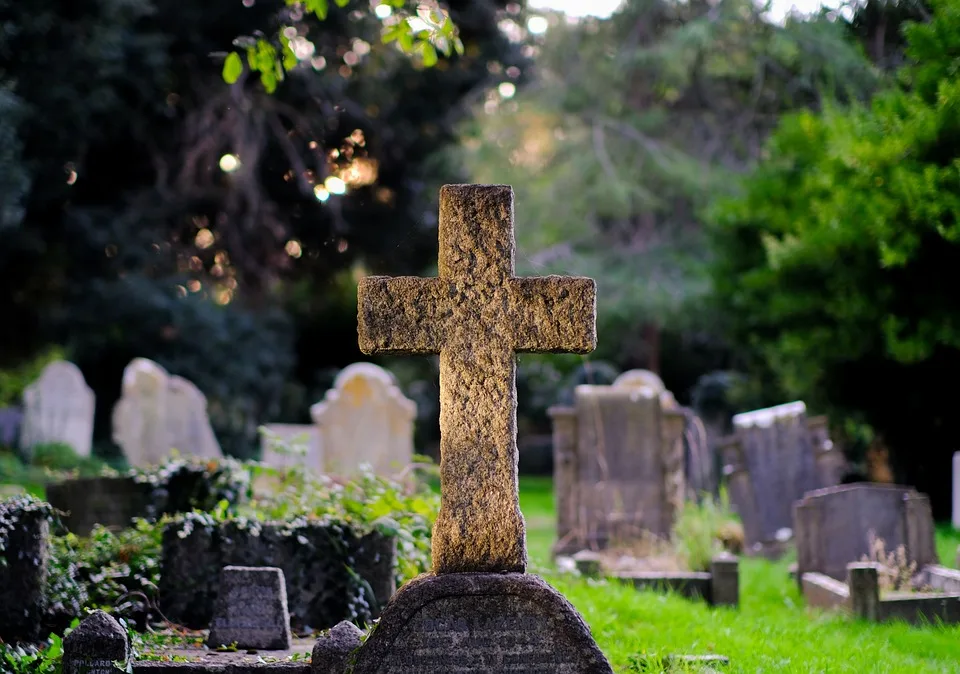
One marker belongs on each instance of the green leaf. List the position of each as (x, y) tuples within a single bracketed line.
[(395, 32), (429, 53), (232, 68), (269, 81), (318, 7), (342, 3)]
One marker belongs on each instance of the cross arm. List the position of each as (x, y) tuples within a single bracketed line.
[(554, 314), (399, 315)]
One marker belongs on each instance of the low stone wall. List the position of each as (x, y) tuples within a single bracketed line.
[(317, 560), (861, 597)]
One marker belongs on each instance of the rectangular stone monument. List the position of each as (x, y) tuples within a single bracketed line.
[(478, 611), (956, 491), (619, 463), (365, 419), (110, 501), (10, 420), (833, 526), (776, 456), (251, 609), (58, 408), (158, 413), (24, 562)]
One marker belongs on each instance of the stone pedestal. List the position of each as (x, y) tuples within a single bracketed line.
[(480, 622)]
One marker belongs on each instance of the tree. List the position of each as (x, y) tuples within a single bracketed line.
[(614, 152), (218, 228), (834, 265)]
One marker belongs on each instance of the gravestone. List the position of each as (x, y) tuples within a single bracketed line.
[(956, 491), (776, 456), (110, 501), (10, 420), (58, 408), (619, 472), (478, 611), (833, 526), (365, 419), (251, 609), (24, 563), (95, 645), (303, 439), (158, 413)]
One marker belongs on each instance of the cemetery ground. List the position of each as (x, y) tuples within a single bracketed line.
[(772, 631)]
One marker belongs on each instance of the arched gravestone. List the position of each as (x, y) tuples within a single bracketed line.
[(365, 419), (58, 408), (478, 611), (158, 413)]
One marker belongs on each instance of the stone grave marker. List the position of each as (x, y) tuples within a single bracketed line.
[(776, 456), (251, 609), (955, 515), (619, 469), (365, 419), (58, 407), (833, 526), (95, 645), (304, 439), (24, 564), (478, 611), (10, 420), (158, 413)]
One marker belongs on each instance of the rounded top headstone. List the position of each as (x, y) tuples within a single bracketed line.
[(97, 642)]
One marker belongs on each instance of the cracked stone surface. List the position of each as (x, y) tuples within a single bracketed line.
[(477, 315)]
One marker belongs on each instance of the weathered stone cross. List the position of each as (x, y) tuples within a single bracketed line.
[(476, 314)]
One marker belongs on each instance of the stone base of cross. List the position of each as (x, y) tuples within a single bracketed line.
[(477, 315)]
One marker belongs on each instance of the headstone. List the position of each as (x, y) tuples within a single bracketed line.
[(158, 413), (776, 456), (365, 419), (619, 463), (251, 609), (24, 562), (833, 526), (303, 439), (95, 645), (10, 420), (331, 653), (956, 490), (58, 408), (478, 611)]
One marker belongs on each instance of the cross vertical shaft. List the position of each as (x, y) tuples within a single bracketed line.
[(476, 315)]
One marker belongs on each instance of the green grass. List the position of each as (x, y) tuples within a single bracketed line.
[(773, 631)]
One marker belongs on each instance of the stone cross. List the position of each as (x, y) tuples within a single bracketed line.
[(476, 314)]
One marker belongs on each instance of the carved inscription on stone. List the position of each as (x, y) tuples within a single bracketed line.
[(481, 639)]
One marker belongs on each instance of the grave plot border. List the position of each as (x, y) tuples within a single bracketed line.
[(860, 595), (720, 586)]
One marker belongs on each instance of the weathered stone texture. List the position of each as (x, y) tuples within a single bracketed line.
[(476, 315), (251, 609), (478, 622), (95, 645)]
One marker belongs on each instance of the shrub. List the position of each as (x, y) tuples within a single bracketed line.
[(704, 529)]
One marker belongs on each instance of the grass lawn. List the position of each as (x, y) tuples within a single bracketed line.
[(773, 631)]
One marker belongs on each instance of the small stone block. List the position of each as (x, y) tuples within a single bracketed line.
[(725, 580), (96, 643), (251, 609), (587, 563), (480, 622), (331, 653), (863, 581)]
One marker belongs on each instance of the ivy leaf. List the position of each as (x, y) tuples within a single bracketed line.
[(232, 68), (342, 3), (429, 53), (319, 7)]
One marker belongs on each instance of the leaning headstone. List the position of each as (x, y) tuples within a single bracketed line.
[(251, 609), (956, 491), (158, 413), (834, 526), (24, 560), (771, 462), (477, 610), (58, 408), (365, 419), (98, 645)]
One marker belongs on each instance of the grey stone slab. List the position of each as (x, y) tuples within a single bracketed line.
[(251, 609)]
